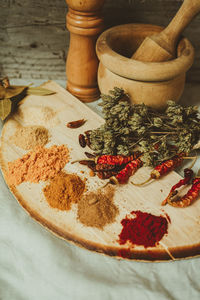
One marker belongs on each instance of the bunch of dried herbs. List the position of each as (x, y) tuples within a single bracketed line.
[(10, 95), (128, 127)]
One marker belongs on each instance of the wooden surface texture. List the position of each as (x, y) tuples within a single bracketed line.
[(34, 40), (182, 239)]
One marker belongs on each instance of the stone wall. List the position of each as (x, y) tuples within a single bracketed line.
[(34, 40)]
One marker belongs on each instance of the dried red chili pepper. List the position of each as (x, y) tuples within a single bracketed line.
[(89, 163), (119, 167), (106, 174), (116, 159), (104, 167), (102, 170), (86, 162), (167, 166), (188, 174), (75, 124), (189, 197), (88, 143), (87, 132), (82, 140), (105, 171), (87, 139), (90, 155), (123, 176), (92, 167), (164, 168)]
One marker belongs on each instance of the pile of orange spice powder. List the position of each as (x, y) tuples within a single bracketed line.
[(39, 164)]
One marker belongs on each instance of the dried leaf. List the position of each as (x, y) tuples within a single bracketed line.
[(14, 90), (2, 92), (5, 108), (9, 94), (39, 91), (5, 82)]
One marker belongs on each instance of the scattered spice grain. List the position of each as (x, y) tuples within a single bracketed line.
[(91, 173), (29, 137), (39, 164), (63, 190), (96, 209)]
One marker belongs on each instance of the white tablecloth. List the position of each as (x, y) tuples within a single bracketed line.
[(36, 265)]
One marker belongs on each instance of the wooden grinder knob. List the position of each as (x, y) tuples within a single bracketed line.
[(85, 24)]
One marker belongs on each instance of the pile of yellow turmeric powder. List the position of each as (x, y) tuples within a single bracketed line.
[(63, 190)]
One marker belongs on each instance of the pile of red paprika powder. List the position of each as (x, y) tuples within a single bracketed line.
[(144, 229)]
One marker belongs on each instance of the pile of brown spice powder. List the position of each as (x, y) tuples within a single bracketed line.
[(39, 164), (30, 137), (96, 209), (63, 190)]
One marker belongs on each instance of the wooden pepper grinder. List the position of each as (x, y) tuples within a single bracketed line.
[(85, 24)]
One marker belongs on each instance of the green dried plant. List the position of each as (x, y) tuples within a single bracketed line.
[(129, 127)]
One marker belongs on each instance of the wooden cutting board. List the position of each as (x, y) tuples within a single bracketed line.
[(183, 238)]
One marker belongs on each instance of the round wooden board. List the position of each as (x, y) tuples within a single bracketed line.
[(183, 237)]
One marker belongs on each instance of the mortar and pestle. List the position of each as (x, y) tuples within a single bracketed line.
[(147, 61)]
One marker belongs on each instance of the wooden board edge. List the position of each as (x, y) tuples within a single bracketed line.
[(146, 255)]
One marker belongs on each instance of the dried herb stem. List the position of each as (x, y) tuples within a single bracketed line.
[(130, 126)]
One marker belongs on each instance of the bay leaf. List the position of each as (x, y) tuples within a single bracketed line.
[(5, 82), (2, 92), (39, 91), (14, 90), (5, 108)]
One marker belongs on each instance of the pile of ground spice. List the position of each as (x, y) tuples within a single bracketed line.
[(39, 164), (96, 209), (143, 229), (38, 114), (48, 113), (30, 137), (63, 190)]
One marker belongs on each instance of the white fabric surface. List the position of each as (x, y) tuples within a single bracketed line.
[(35, 264)]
